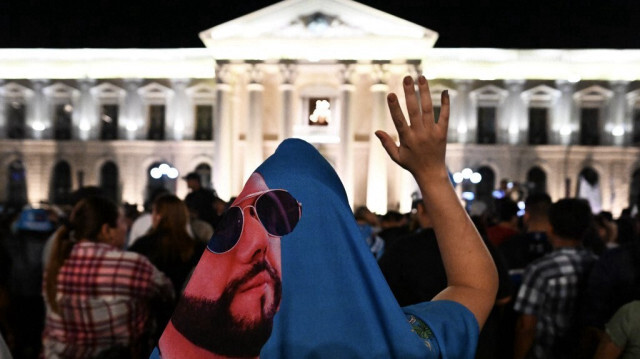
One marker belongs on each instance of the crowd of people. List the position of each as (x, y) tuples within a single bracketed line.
[(287, 270), (569, 281), (94, 280)]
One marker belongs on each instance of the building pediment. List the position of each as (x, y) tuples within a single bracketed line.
[(317, 30)]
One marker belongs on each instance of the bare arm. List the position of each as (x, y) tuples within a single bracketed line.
[(607, 349), (471, 274), (525, 334)]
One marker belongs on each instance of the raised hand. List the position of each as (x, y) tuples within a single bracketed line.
[(422, 141)]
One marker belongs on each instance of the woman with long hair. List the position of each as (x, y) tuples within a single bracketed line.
[(168, 245), (97, 295)]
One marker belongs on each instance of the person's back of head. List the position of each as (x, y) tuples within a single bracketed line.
[(507, 210), (537, 205), (393, 219), (85, 222), (570, 218), (173, 219)]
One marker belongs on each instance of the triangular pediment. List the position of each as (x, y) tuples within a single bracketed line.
[(319, 30)]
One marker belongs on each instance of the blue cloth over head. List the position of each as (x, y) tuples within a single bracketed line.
[(335, 301)]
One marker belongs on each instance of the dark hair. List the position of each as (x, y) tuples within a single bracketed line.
[(85, 222), (537, 205), (571, 218), (506, 209), (393, 216), (174, 239)]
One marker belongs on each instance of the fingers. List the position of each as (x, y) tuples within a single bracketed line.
[(425, 100), (413, 108), (445, 109), (388, 144), (396, 114)]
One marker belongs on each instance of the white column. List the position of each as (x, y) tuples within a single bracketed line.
[(377, 172), (222, 134), (4, 126), (132, 122), (563, 123), (181, 118), (513, 117), (254, 137), (462, 115), (38, 112), (288, 72), (345, 157), (620, 123), (85, 118)]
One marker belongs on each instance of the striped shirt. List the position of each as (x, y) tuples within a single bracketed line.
[(550, 289), (102, 295)]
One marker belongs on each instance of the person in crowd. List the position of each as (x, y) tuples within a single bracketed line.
[(607, 229), (622, 337), (142, 224), (507, 226), (97, 295), (393, 225), (614, 281), (548, 299), (291, 232), (369, 227), (201, 200), (523, 248), (168, 245), (518, 252), (26, 243)]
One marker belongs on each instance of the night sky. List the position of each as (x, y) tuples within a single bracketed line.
[(176, 23)]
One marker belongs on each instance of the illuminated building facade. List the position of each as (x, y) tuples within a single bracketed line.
[(561, 121)]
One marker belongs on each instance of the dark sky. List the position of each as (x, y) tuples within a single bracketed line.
[(176, 23)]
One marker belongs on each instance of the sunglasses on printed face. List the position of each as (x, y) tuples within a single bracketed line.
[(277, 211)]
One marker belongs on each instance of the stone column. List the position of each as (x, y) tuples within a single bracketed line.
[(222, 134), (39, 120), (564, 125), (462, 115), (4, 126), (377, 194), (345, 156), (288, 70), (254, 136), (620, 123), (85, 118), (132, 123), (181, 119), (513, 117)]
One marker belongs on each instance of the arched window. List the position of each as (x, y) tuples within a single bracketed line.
[(634, 190), (160, 175), (61, 183), (485, 187), (589, 188), (17, 185), (536, 181), (109, 181), (204, 170)]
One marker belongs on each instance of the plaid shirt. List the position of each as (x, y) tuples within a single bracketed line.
[(102, 296), (549, 291)]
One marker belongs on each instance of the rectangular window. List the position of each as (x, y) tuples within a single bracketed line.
[(108, 122), (589, 126), (62, 121), (319, 111), (156, 122), (16, 120), (204, 123), (538, 119), (636, 126), (486, 125)]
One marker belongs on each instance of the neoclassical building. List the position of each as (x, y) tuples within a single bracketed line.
[(562, 121)]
